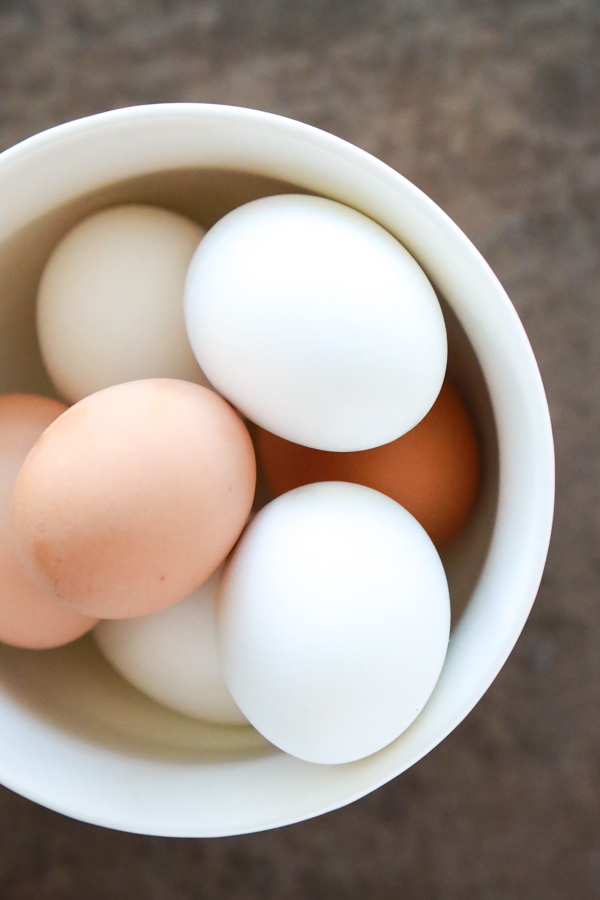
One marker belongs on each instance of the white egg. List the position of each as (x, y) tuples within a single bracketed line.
[(315, 323), (110, 304), (171, 656), (333, 621)]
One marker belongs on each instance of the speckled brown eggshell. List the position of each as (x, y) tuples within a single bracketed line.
[(432, 470), (134, 497), (28, 618)]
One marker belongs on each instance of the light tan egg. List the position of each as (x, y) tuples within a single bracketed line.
[(134, 497), (432, 470), (28, 618)]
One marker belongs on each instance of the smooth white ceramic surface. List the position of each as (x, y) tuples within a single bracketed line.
[(74, 738)]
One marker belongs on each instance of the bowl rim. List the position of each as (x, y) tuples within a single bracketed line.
[(141, 139)]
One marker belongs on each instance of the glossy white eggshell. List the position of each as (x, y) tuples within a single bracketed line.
[(110, 302), (316, 323), (333, 621), (171, 656)]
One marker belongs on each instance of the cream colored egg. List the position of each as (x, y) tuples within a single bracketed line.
[(110, 305), (172, 657)]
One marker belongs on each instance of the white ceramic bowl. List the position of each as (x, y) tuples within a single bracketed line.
[(74, 736)]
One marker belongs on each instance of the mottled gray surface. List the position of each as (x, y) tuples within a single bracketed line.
[(493, 108)]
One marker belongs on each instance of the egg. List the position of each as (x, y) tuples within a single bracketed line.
[(432, 470), (316, 323), (333, 621), (28, 618), (133, 497), (110, 303), (171, 656)]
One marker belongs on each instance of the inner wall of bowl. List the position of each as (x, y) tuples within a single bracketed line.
[(73, 688)]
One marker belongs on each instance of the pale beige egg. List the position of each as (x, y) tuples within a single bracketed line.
[(28, 618), (134, 497)]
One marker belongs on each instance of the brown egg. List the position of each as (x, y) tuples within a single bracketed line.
[(28, 618), (134, 497), (432, 470)]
